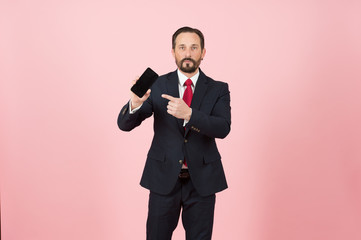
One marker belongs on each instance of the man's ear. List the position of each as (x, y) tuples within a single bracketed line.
[(203, 53), (173, 53)]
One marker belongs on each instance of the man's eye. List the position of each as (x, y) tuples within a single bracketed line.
[(194, 48)]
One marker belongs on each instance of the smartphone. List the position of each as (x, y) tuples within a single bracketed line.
[(144, 82)]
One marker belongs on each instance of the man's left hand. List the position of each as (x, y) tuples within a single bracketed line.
[(178, 108)]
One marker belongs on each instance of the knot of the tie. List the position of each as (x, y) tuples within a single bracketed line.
[(188, 83)]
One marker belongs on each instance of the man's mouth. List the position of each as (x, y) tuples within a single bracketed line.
[(187, 61)]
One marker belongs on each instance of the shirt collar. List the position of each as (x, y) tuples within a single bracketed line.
[(183, 78)]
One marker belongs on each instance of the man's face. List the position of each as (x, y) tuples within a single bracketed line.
[(187, 52)]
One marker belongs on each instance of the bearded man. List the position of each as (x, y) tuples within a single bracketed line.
[(183, 168)]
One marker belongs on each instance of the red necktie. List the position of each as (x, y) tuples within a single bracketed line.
[(188, 93), (187, 98)]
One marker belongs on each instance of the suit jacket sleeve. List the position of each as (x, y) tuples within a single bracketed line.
[(217, 124), (127, 121)]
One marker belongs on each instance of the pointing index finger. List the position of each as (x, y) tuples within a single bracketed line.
[(166, 96)]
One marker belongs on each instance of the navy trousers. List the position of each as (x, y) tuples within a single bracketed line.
[(164, 212)]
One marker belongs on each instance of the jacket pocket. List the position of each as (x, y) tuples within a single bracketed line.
[(156, 156), (211, 157)]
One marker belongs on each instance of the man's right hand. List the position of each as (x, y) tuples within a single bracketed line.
[(135, 100)]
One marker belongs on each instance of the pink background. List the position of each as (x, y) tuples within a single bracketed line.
[(292, 159)]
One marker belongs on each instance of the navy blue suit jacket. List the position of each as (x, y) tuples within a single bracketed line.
[(211, 118)]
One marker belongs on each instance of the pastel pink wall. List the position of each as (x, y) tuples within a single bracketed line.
[(293, 157)]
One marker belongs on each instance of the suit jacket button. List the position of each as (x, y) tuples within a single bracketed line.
[(185, 140), (180, 161)]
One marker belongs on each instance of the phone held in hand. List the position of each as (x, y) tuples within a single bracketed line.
[(144, 82)]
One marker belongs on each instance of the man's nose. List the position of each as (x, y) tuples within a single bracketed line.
[(188, 53)]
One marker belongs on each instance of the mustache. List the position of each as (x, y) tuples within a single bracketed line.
[(188, 59)]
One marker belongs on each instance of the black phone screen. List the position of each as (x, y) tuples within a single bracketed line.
[(144, 82)]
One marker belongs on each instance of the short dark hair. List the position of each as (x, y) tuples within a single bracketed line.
[(191, 30)]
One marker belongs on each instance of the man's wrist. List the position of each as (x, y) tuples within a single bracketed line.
[(189, 115), (133, 109), (134, 105)]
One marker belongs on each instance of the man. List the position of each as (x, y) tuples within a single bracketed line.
[(183, 170)]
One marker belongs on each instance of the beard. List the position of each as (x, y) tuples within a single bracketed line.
[(188, 67)]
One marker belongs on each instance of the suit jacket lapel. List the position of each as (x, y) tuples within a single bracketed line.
[(173, 90), (172, 85), (199, 92)]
